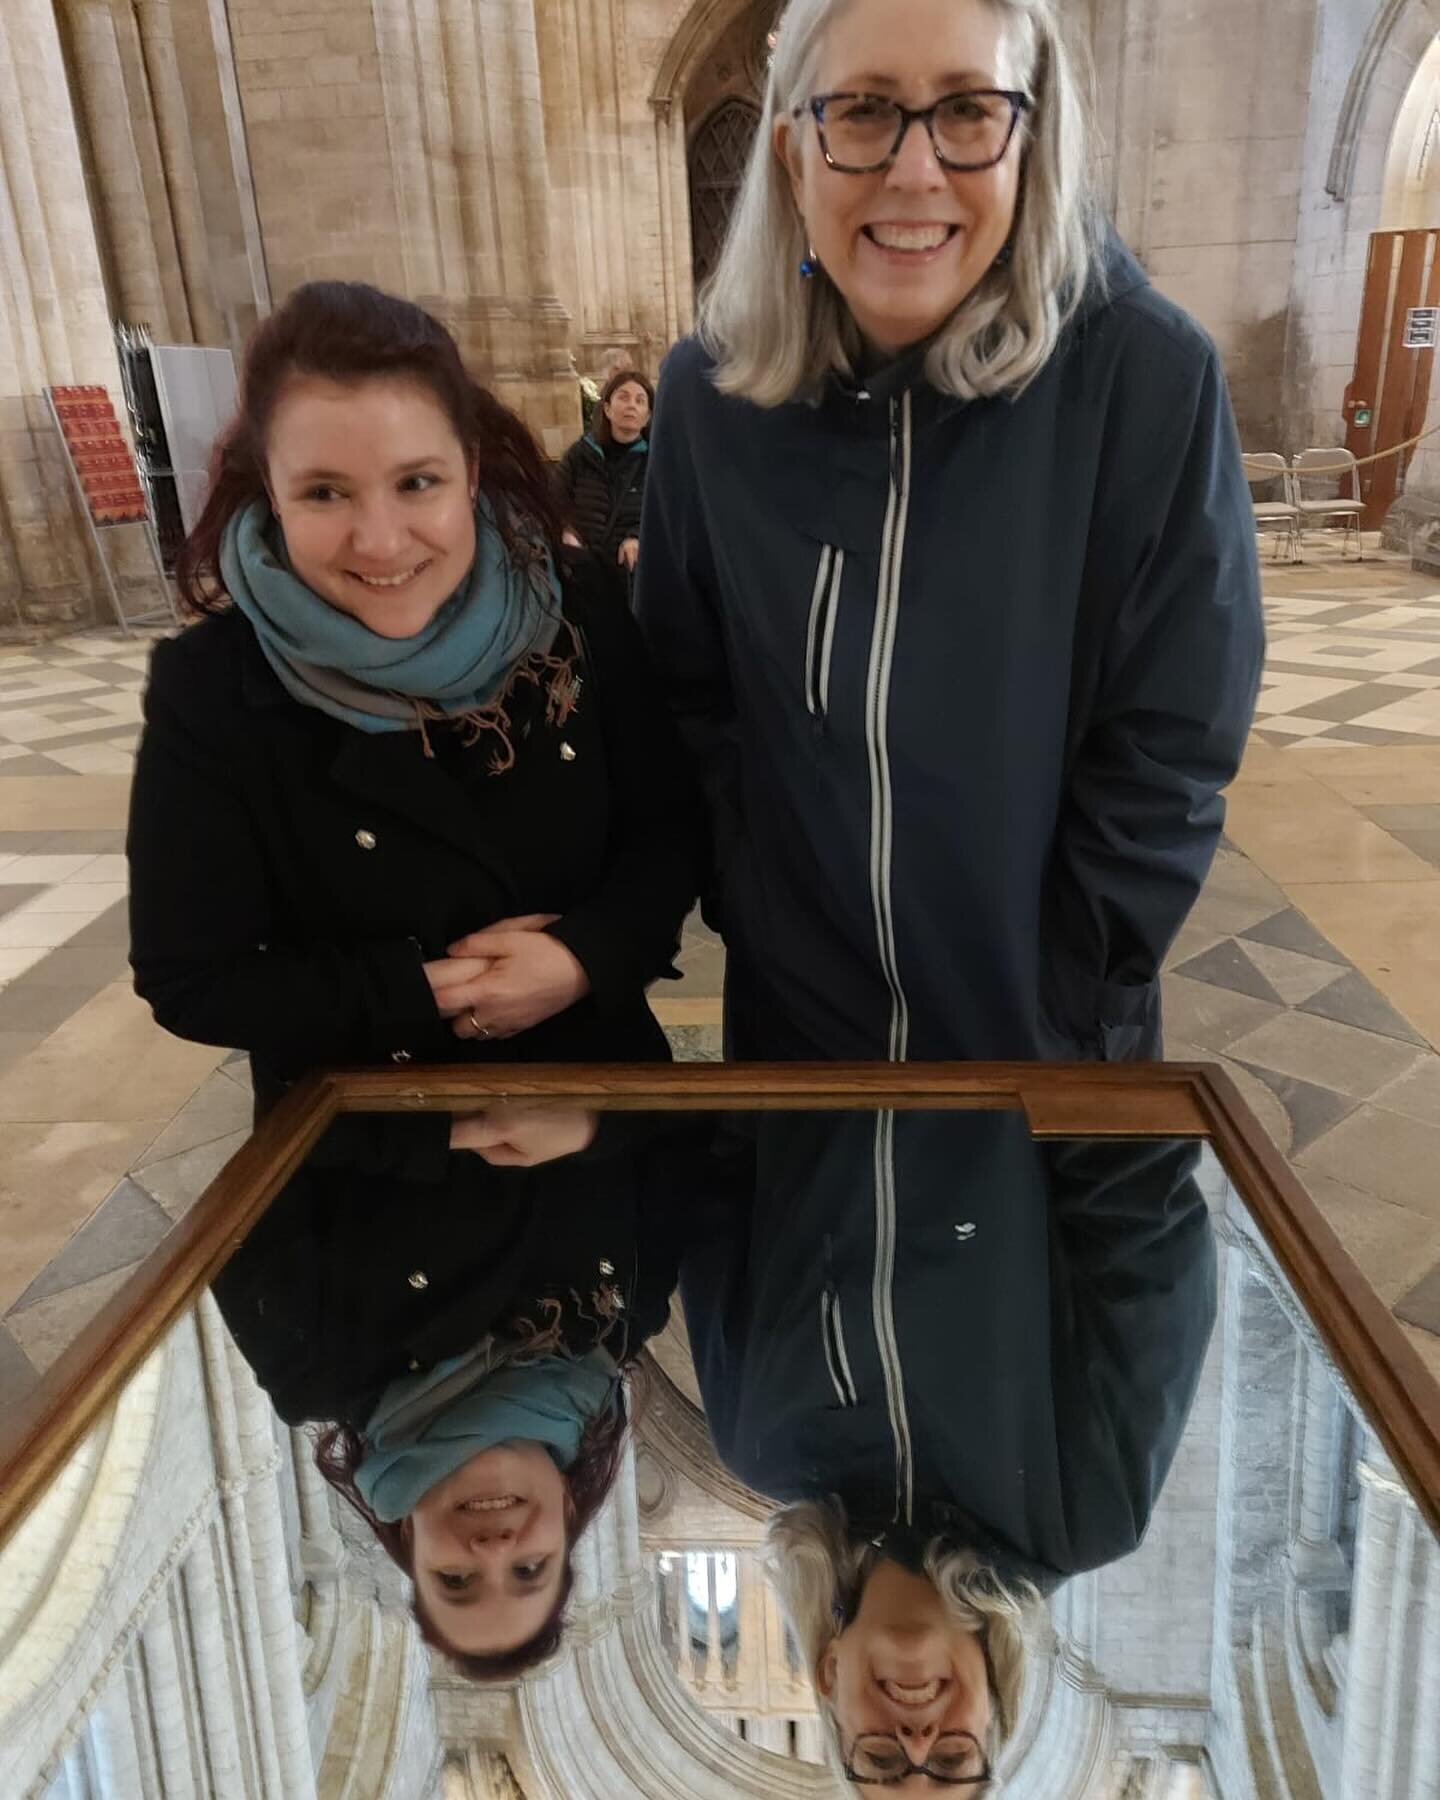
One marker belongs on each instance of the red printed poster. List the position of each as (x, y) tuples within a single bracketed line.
[(100, 454)]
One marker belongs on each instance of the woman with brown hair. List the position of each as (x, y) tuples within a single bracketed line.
[(603, 472), (407, 791)]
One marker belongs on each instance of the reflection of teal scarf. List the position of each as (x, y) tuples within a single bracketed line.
[(426, 1426), (458, 663)]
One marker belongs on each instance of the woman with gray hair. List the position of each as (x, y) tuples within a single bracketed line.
[(948, 559), (949, 1444)]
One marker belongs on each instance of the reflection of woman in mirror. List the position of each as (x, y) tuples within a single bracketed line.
[(916, 1648), (460, 1332), (406, 793), (961, 1384)]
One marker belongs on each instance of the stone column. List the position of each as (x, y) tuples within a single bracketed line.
[(461, 82), (54, 323), (126, 169), (172, 124)]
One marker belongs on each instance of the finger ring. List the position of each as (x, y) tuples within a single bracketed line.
[(481, 1031)]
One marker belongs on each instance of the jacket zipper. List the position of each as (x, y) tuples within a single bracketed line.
[(837, 1360), (820, 633), (882, 826)]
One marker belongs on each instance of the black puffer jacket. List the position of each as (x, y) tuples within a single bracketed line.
[(604, 493)]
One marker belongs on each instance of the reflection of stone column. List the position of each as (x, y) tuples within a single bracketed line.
[(1380, 1695), (127, 169), (54, 325), (1315, 1556)]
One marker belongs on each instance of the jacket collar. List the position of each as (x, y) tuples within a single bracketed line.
[(385, 769)]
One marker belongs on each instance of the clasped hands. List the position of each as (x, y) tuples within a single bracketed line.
[(506, 978)]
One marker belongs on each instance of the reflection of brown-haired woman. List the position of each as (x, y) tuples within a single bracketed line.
[(407, 791), (459, 1330)]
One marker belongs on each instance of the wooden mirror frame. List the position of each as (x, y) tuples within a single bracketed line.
[(1125, 1100)]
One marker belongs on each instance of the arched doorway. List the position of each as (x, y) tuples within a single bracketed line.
[(1388, 396), (718, 156)]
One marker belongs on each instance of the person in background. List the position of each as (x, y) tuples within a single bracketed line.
[(603, 472), (407, 791), (948, 560)]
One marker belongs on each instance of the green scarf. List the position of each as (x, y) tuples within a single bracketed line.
[(457, 666)]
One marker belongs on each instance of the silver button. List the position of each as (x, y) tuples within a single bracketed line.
[(567, 753), (606, 1266), (965, 1232), (365, 839), (419, 1279), (414, 1364), (399, 1056)]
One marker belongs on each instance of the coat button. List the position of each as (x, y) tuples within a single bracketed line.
[(365, 839), (567, 753), (419, 1279), (400, 1056), (414, 1364), (606, 1266)]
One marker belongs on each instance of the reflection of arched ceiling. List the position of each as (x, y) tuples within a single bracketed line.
[(671, 1425)]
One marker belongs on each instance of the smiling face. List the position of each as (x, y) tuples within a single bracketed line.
[(628, 410), (905, 245), (902, 1667), (489, 1546), (372, 489)]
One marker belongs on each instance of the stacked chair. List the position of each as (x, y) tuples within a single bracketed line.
[(1300, 507)]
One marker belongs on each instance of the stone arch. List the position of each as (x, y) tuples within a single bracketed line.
[(719, 153), (1394, 48), (704, 21), (699, 27)]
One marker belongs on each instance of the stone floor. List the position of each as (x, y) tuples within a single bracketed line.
[(1310, 968)]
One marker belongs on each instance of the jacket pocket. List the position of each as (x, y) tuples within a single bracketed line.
[(820, 632), (1101, 1021), (837, 1359)]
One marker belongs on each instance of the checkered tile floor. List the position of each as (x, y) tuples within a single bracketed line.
[(1354, 656), (72, 706)]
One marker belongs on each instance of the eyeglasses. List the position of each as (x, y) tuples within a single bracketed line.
[(956, 1760), (862, 133)]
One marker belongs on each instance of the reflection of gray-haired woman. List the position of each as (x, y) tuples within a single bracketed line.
[(948, 559), (917, 1654)]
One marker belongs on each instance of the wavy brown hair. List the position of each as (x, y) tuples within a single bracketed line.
[(339, 1450), (346, 331)]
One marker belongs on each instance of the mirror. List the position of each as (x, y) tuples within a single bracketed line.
[(707, 1443)]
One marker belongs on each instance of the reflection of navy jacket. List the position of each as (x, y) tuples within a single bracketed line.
[(965, 682), (1003, 1342)]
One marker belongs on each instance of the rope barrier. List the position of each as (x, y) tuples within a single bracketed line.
[(1362, 462)]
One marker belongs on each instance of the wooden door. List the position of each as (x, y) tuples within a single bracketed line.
[(1386, 400)]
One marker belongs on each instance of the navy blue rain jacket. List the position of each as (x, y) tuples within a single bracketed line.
[(965, 682)]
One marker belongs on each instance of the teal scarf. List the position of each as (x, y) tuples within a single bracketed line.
[(426, 1426), (455, 667)]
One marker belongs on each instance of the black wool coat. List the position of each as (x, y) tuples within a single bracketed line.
[(289, 874), (604, 497), (387, 1253)]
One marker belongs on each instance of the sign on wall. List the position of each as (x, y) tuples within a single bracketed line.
[(1422, 328)]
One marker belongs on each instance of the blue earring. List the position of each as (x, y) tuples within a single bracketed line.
[(1003, 260), (809, 267)]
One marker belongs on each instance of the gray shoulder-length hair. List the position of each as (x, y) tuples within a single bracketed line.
[(815, 1562), (776, 337)]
